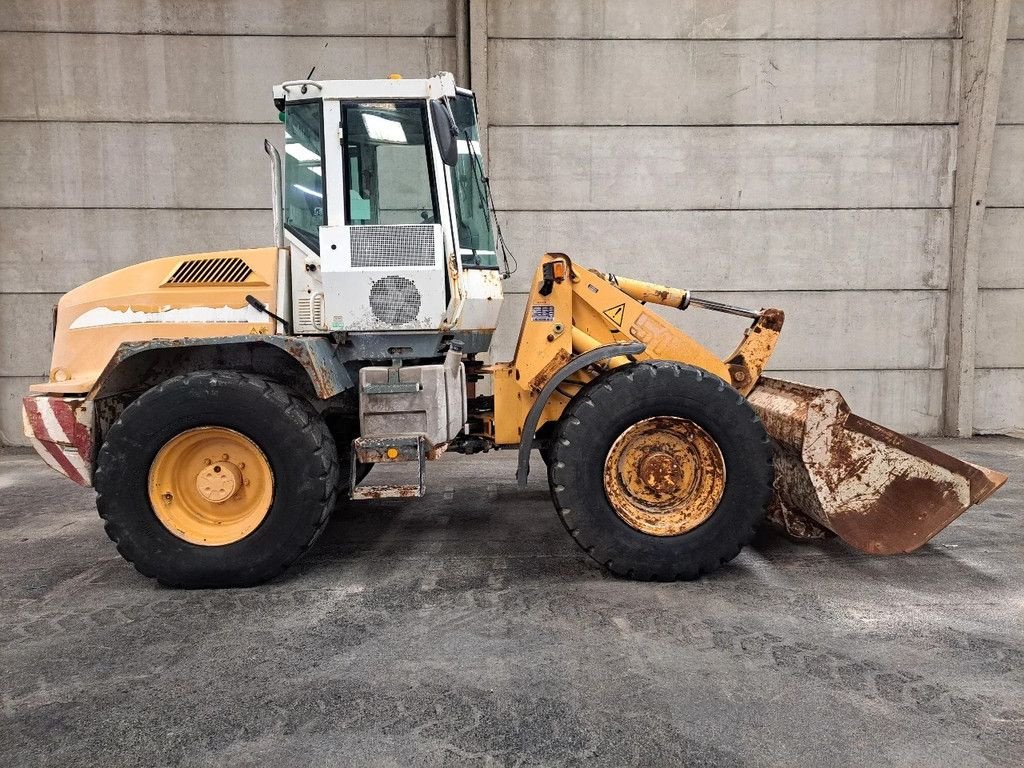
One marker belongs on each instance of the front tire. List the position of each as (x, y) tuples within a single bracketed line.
[(660, 471), (216, 479)]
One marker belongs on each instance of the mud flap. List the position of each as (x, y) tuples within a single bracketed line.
[(878, 490)]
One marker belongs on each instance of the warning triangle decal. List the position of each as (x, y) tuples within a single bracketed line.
[(615, 314)]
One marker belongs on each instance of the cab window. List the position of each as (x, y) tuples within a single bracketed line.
[(304, 204), (387, 164)]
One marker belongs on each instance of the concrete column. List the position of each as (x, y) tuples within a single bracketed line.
[(478, 63), (983, 27)]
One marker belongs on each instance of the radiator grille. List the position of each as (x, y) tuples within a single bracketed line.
[(394, 300), (210, 272), (383, 246)]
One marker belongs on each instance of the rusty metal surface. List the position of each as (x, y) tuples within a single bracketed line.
[(664, 476), (319, 357), (395, 448), (793, 524), (751, 356), (386, 492), (880, 491)]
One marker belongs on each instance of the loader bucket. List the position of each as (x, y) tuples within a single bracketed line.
[(878, 490)]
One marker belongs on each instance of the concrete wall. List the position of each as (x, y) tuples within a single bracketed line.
[(795, 153)]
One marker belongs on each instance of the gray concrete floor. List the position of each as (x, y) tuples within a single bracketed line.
[(466, 628)]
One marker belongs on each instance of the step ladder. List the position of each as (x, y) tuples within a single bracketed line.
[(388, 450)]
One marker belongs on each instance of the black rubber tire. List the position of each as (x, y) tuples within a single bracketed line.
[(609, 405), (286, 428)]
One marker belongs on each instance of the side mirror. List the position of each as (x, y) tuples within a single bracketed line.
[(446, 132)]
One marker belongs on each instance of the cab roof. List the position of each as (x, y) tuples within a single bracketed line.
[(441, 84)]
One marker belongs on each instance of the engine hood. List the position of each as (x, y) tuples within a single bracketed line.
[(198, 295)]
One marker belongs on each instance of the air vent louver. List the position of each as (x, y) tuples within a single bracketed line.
[(225, 271), (395, 300), (310, 314)]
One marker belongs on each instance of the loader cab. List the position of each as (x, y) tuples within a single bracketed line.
[(385, 209)]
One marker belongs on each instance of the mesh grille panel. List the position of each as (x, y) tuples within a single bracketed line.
[(386, 246), (210, 271), (394, 300)]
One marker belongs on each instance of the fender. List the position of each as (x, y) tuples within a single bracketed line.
[(316, 355), (576, 364)]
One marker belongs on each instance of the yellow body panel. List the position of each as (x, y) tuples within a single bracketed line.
[(138, 303), (582, 311)]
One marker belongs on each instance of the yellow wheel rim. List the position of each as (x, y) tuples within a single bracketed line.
[(211, 486), (664, 476)]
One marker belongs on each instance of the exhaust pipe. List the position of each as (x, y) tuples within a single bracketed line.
[(278, 201)]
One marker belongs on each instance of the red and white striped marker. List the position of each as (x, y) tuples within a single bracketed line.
[(60, 430)]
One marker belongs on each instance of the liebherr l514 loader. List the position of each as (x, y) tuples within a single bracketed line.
[(219, 403)]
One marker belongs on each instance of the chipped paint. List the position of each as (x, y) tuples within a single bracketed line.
[(880, 491), (102, 316)]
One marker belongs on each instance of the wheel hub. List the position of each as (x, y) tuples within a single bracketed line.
[(660, 472), (219, 482), (211, 486), (664, 476)]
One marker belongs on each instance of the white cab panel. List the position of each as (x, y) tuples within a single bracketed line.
[(386, 277)]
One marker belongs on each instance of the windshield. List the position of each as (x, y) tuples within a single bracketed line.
[(476, 232), (304, 204)]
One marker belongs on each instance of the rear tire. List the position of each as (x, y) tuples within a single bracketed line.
[(286, 430), (612, 405)]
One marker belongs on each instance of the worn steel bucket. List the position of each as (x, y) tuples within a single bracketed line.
[(878, 490)]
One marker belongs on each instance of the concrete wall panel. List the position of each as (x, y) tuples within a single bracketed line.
[(1002, 249), (743, 250), (43, 251), (722, 18), (824, 330), (1006, 183), (188, 78), (678, 168), (999, 401), (12, 389), (125, 165), (599, 82), (233, 17), (1001, 328), (1011, 95), (1016, 29), (27, 338)]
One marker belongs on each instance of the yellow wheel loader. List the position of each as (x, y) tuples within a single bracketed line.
[(219, 403)]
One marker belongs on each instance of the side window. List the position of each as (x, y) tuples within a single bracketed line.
[(304, 204), (388, 164)]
